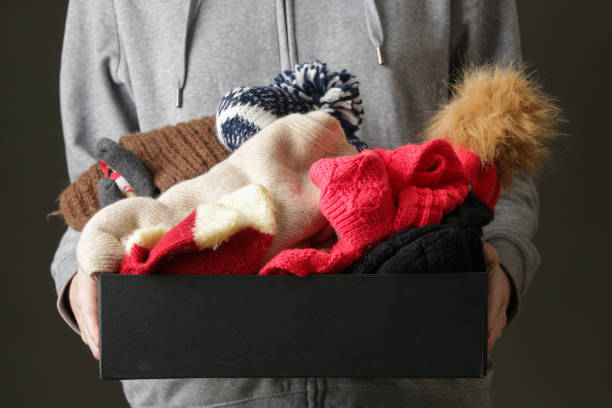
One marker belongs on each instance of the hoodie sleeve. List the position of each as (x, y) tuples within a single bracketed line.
[(487, 31), (95, 102)]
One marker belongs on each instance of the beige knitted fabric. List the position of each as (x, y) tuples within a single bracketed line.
[(279, 158)]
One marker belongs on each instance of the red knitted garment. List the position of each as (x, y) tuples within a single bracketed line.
[(428, 181), (223, 238), (374, 194), (177, 253), (484, 180)]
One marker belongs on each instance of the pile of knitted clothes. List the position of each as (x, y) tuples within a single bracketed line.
[(368, 197), (145, 163), (274, 182)]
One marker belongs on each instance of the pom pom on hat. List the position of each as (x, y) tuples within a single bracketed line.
[(502, 116), (310, 86), (336, 93)]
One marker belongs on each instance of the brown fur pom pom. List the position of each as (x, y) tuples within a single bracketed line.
[(502, 115)]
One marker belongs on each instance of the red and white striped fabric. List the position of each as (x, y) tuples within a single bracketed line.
[(124, 186), (227, 237)]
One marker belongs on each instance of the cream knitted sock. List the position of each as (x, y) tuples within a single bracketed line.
[(279, 158)]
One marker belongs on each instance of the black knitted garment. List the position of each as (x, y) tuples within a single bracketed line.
[(454, 245)]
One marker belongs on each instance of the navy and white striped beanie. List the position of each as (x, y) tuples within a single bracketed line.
[(247, 110)]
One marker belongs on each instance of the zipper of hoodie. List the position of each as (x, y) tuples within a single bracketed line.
[(288, 60), (286, 34)]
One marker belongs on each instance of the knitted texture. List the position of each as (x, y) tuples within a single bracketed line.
[(310, 86), (454, 245), (278, 158), (171, 155), (177, 153), (227, 237), (368, 197), (427, 181), (483, 178), (79, 201)]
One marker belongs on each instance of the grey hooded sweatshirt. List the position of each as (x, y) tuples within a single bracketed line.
[(125, 63)]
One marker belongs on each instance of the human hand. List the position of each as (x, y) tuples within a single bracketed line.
[(83, 298), (499, 295)]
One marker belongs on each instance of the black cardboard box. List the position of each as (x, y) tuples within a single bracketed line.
[(418, 326)]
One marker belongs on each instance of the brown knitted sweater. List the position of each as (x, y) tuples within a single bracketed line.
[(171, 154)]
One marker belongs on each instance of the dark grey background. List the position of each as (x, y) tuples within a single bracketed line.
[(556, 354)]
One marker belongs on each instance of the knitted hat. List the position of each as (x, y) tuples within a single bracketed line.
[(227, 237), (427, 181), (179, 152), (79, 201), (483, 179), (171, 155), (502, 117), (310, 86), (277, 158), (368, 197), (454, 245)]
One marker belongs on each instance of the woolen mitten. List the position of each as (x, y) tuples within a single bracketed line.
[(171, 154), (278, 158), (310, 86), (454, 245), (127, 164), (370, 196), (108, 192), (230, 236), (124, 187)]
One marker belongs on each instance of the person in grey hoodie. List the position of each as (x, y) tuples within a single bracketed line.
[(137, 65)]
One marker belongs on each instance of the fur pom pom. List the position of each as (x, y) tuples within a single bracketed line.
[(500, 114)]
